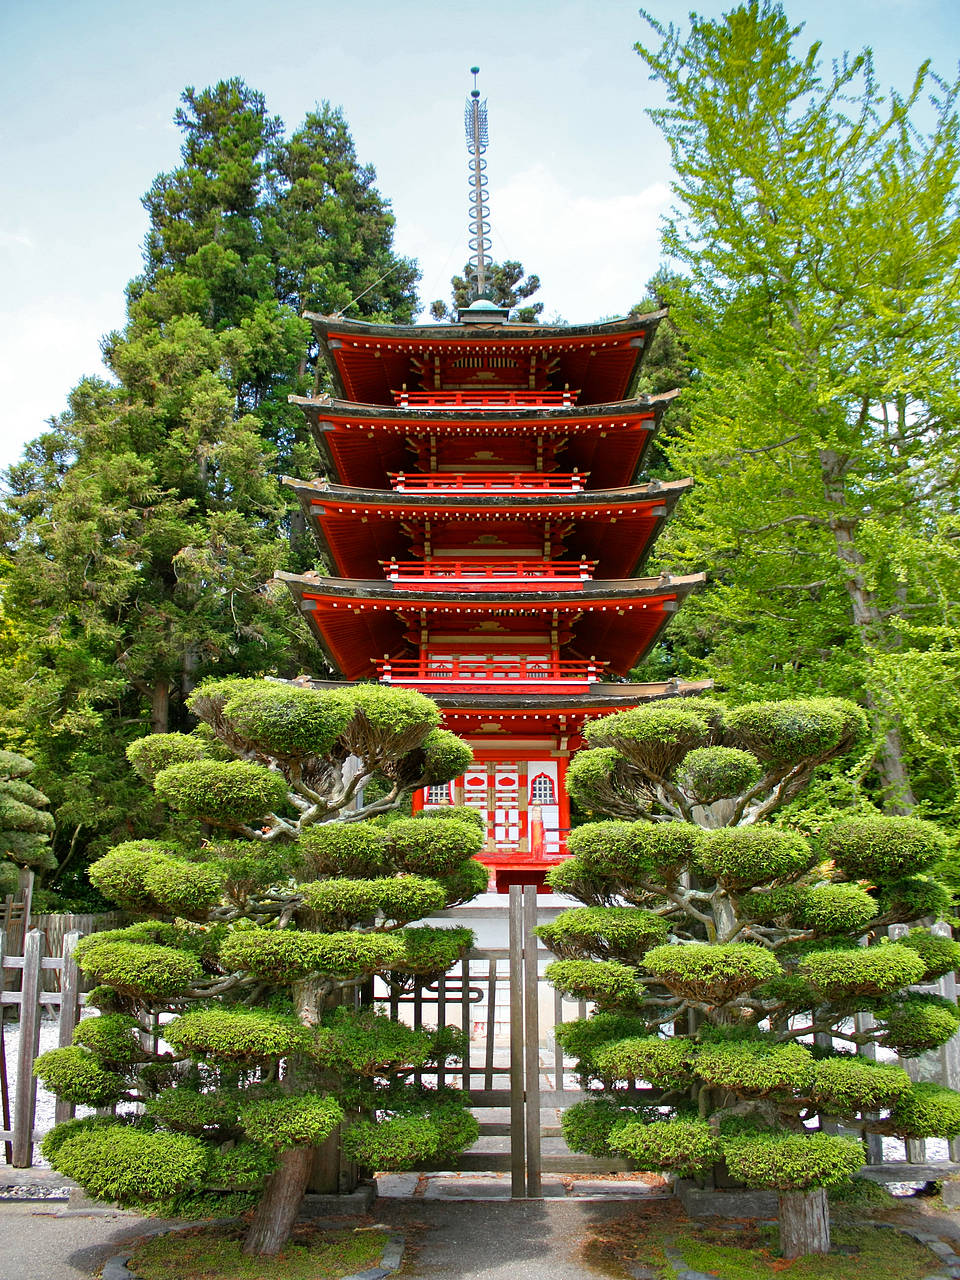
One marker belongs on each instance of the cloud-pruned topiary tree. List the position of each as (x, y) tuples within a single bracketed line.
[(722, 953), (25, 823), (255, 943)]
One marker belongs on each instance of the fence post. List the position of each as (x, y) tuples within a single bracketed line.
[(69, 1010), (531, 1037), (25, 1099), (4, 1082), (517, 1145), (951, 1050)]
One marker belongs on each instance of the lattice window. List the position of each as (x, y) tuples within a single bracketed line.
[(439, 793), (542, 791)]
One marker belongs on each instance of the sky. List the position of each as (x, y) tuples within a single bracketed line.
[(579, 177)]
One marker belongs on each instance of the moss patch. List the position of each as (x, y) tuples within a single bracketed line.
[(215, 1253), (637, 1244)]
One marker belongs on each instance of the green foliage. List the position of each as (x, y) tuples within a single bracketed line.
[(428, 950), (741, 857), (54, 1138), (755, 1068), (338, 904), (142, 875), (862, 971), (590, 774), (793, 1161), (342, 849), (658, 736), (445, 757), (303, 1121), (25, 823), (587, 1125), (583, 1036), (365, 1043), (237, 1035), (469, 879), (109, 1038), (75, 1075), (284, 721), (836, 908), (926, 1111), (139, 969), (242, 1167), (912, 1024), (121, 873), (940, 955), (847, 1084), (605, 981), (187, 1110), (228, 793), (712, 973), (790, 732), (455, 813), (603, 933), (432, 846), (913, 897), (158, 751), (711, 773), (119, 1162), (685, 1147), (884, 848), (431, 1125), (665, 1062)]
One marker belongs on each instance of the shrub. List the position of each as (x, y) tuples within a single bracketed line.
[(940, 955), (364, 1043), (789, 732), (469, 879), (393, 712), (121, 874), (712, 973), (913, 1024), (140, 969), (76, 1076), (862, 971), (584, 1035), (793, 1161), (158, 751), (655, 850), (337, 904), (109, 1038), (656, 737), (914, 896), (229, 793), (581, 877), (883, 848), (712, 773), (605, 981), (345, 849), (663, 1061), (587, 1125), (432, 846), (285, 721), (686, 1147), (303, 1121), (455, 813), (242, 1167), (848, 1083), (119, 1162), (428, 950), (190, 1111), (607, 933), (445, 757), (741, 857), (394, 1143), (926, 1111), (836, 908), (592, 773), (237, 1035), (54, 1138), (755, 1067)]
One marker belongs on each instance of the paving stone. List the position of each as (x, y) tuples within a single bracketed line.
[(467, 1189), (616, 1190), (397, 1184)]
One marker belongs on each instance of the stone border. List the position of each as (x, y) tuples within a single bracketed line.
[(116, 1268)]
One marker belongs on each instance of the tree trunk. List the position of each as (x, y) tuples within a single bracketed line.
[(277, 1211), (160, 707), (898, 795), (804, 1223)]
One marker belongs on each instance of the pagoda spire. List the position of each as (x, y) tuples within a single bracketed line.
[(475, 119)]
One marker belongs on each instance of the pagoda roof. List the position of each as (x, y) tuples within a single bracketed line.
[(358, 621), (359, 528), (361, 443), (368, 362)]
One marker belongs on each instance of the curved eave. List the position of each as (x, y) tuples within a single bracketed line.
[(356, 529), (356, 622), (352, 347), (329, 409)]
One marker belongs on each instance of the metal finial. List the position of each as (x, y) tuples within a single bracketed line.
[(475, 119)]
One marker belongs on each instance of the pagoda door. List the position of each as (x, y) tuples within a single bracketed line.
[(497, 788)]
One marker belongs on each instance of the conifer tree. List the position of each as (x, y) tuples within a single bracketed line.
[(257, 937), (723, 952), (142, 530)]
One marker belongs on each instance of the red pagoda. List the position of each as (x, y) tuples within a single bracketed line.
[(485, 537)]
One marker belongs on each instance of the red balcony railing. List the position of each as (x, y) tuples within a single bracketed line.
[(535, 575), (488, 481), (430, 672), (485, 399)]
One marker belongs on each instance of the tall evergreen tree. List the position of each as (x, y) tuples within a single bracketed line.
[(142, 530), (817, 231)]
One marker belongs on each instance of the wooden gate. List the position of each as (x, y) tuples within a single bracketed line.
[(513, 1068)]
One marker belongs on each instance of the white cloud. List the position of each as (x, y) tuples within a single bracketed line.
[(15, 240), (593, 253)]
